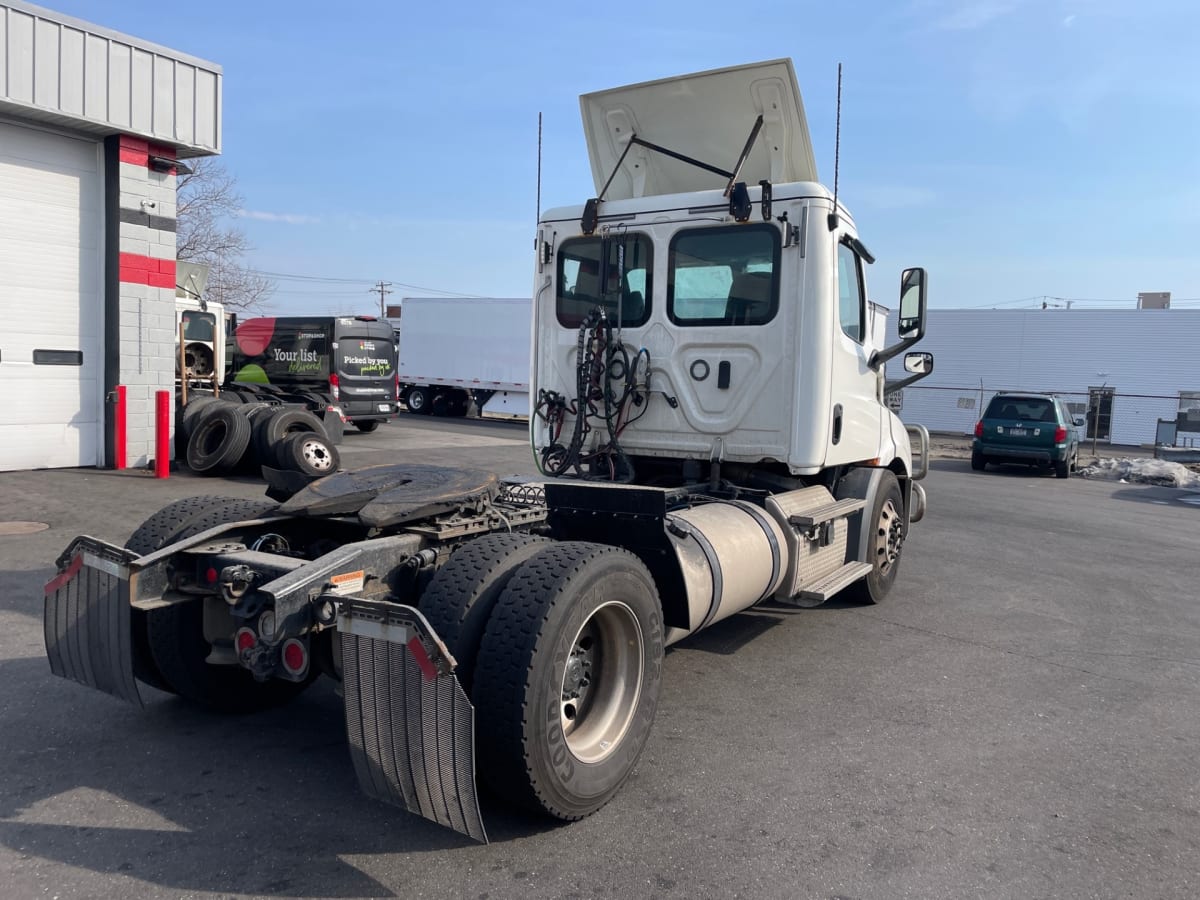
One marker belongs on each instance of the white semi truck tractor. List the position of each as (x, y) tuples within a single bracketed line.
[(710, 423)]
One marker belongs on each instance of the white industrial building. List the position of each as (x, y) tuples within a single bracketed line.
[(92, 124), (1130, 367)]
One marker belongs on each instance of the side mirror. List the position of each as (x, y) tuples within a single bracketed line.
[(910, 325), (917, 364), (1079, 421)]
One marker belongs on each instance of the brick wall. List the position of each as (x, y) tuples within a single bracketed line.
[(146, 224)]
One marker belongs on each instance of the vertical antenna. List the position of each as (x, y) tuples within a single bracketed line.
[(539, 171), (837, 152)]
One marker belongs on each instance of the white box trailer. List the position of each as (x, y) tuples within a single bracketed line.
[(453, 350)]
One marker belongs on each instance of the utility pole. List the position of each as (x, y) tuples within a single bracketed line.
[(382, 289)]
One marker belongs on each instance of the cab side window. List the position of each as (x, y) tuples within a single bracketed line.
[(851, 308)]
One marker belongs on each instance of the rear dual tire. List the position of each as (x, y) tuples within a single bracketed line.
[(463, 592), (169, 647), (567, 678)]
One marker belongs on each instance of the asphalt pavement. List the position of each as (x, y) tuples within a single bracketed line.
[(1019, 719)]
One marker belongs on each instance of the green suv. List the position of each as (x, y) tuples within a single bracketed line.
[(1029, 429)]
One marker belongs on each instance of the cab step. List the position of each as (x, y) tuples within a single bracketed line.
[(835, 510), (820, 591)]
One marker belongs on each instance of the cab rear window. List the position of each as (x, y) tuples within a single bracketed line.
[(1022, 409), (612, 273)]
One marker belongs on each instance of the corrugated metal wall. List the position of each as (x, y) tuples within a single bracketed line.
[(1146, 356), (62, 70)]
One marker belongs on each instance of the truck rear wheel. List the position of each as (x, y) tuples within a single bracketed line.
[(175, 635), (884, 543), (567, 678), (463, 592), (418, 401), (156, 532)]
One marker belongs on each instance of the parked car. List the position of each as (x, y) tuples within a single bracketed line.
[(1030, 429)]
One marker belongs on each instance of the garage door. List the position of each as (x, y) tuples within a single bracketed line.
[(51, 300)]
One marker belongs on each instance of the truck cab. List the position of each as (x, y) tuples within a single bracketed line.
[(738, 300)]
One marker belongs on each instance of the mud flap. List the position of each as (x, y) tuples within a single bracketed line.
[(86, 622), (410, 725)]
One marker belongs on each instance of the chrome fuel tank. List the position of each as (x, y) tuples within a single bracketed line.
[(732, 555)]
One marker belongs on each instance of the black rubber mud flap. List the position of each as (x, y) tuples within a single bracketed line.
[(410, 725), (87, 616)]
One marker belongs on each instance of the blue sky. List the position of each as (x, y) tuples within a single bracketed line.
[(1015, 148)]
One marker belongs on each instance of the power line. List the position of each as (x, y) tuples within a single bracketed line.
[(1036, 302), (288, 276), (292, 292), (321, 279)]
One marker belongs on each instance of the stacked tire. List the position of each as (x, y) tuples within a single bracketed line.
[(224, 436)]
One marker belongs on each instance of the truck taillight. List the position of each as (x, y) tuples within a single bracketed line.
[(294, 657), (979, 428), (333, 385), (244, 640), (1060, 434)]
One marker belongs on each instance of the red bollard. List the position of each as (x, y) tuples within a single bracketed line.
[(119, 459), (162, 434)]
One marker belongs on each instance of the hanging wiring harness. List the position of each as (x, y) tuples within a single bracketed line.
[(610, 385)]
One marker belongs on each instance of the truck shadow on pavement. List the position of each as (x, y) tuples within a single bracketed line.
[(177, 797), (1179, 498)]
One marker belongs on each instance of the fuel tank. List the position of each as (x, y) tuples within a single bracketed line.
[(732, 555)]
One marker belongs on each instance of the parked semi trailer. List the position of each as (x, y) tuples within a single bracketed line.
[(457, 350), (711, 428)]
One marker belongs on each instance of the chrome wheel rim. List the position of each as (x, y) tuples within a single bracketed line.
[(889, 537), (602, 682)]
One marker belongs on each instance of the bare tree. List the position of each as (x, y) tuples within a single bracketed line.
[(207, 203)]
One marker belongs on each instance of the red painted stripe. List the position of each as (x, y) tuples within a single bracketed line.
[(138, 151), (137, 269), (137, 261), (71, 571), (417, 649)]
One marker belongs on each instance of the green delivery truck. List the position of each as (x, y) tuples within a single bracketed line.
[(348, 362)]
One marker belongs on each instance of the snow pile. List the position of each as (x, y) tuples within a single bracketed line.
[(1143, 471)]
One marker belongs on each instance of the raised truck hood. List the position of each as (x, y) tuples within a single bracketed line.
[(707, 116)]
